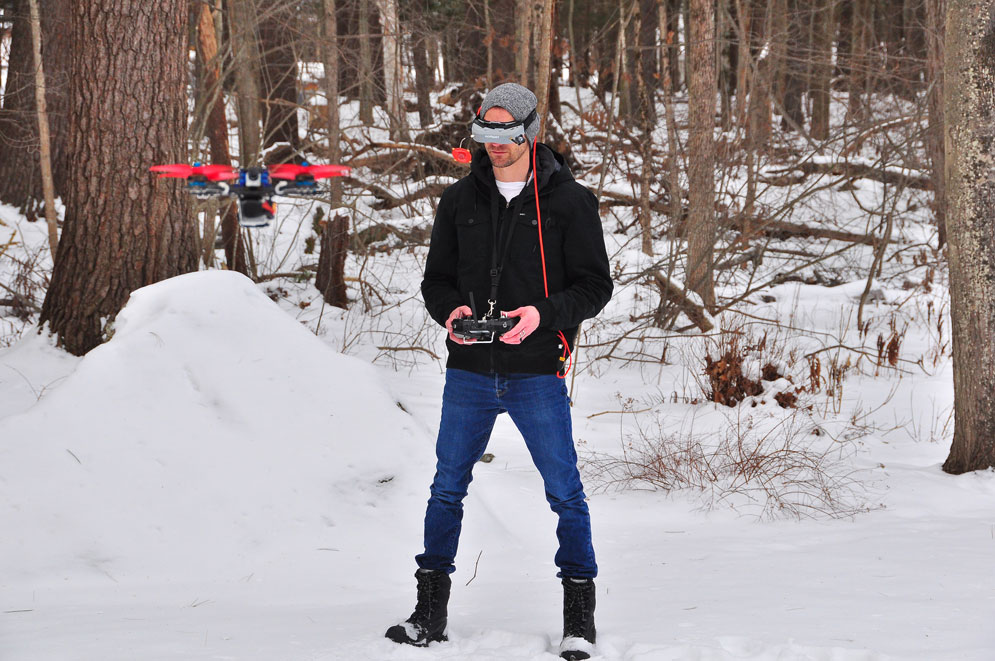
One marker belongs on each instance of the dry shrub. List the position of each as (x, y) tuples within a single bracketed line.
[(730, 382), (791, 469)]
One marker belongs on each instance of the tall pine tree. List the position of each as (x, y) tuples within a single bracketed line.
[(127, 110)]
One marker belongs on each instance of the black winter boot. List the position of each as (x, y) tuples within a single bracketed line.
[(578, 619), (428, 623)]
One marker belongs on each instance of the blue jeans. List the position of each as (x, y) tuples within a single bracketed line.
[(539, 407)]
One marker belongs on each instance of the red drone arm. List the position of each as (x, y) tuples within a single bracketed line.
[(182, 171), (292, 171)]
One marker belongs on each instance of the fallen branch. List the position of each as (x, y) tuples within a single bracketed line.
[(659, 205), (780, 229), (428, 351), (432, 152), (694, 311), (388, 200), (851, 171)]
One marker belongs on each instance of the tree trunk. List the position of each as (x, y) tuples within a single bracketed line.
[(676, 207), (673, 12), (859, 60), (44, 137), (330, 279), (424, 77), (392, 70), (129, 66), (646, 61), (245, 61), (761, 87), (969, 105), (20, 169), (544, 56), (279, 76), (744, 58), (701, 151), (502, 17), (823, 27), (330, 53), (523, 39), (796, 56), (217, 134), (365, 65), (936, 11)]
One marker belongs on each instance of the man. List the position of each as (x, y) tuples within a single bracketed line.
[(487, 248)]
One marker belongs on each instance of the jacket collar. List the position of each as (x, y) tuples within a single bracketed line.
[(552, 169)]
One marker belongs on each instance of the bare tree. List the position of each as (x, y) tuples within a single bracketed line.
[(44, 137), (543, 62), (279, 38), (393, 71), (935, 11), (701, 228), (245, 56), (20, 167), (217, 133), (969, 109)]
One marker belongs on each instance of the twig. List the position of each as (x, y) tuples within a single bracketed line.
[(475, 567), (428, 351)]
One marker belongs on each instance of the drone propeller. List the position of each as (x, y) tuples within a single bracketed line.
[(292, 171), (183, 171)]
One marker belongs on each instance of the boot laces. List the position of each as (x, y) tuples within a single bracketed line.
[(428, 588), (576, 610)]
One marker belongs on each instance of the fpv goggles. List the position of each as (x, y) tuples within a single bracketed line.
[(502, 132)]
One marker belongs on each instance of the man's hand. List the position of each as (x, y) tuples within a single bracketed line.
[(461, 311), (528, 321)]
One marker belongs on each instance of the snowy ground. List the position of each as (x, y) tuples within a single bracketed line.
[(217, 483)]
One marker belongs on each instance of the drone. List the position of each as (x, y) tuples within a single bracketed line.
[(253, 187)]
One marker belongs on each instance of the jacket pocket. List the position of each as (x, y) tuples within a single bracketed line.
[(473, 237)]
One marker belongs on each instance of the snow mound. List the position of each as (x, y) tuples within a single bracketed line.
[(211, 435)]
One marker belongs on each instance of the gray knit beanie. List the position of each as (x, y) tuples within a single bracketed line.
[(517, 100)]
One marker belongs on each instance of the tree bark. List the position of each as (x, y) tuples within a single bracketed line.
[(365, 65), (129, 64), (392, 69), (646, 61), (701, 152), (823, 27), (217, 134), (330, 53), (330, 279), (544, 55), (44, 137), (673, 13), (523, 39), (424, 77), (279, 77), (245, 61), (20, 169), (969, 105), (796, 56), (859, 61), (936, 11)]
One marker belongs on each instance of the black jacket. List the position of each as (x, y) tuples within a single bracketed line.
[(460, 258)]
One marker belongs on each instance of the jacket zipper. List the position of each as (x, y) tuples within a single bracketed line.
[(502, 208)]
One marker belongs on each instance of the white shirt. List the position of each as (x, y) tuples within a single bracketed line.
[(509, 189)]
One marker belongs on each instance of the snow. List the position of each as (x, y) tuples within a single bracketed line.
[(233, 478), (216, 482)]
